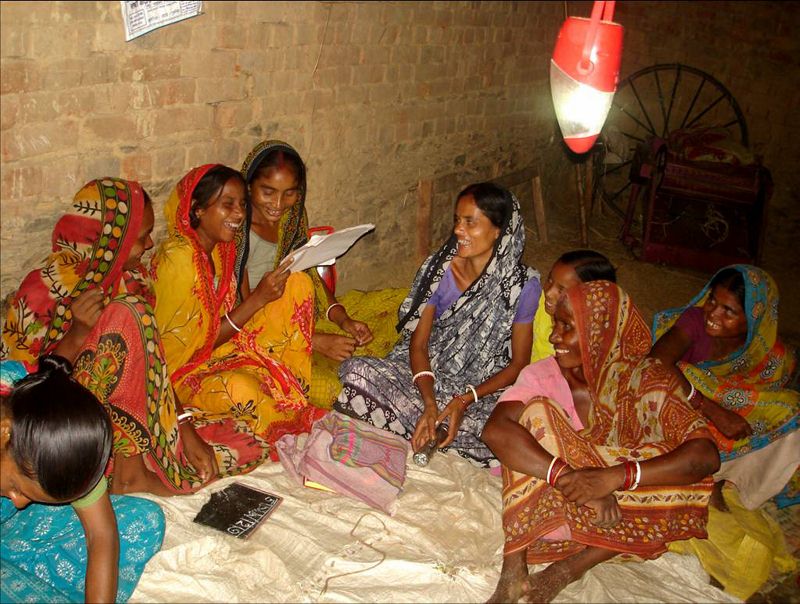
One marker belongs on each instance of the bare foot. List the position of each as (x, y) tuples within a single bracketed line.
[(513, 578), (717, 500), (546, 584), (132, 476)]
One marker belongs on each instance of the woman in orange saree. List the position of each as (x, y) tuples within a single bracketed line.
[(248, 361), (601, 455), (91, 303)]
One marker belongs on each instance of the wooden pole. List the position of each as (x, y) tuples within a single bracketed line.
[(581, 205), (424, 205), (538, 209), (600, 205), (588, 188)]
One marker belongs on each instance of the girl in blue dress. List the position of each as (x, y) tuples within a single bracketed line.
[(55, 440)]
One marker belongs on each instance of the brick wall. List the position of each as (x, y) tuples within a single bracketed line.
[(375, 96)]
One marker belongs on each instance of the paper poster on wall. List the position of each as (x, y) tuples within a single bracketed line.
[(143, 16)]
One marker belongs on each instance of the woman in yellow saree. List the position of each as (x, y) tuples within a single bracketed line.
[(250, 361), (277, 225)]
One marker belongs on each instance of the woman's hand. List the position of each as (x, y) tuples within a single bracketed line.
[(86, 310), (426, 428), (586, 484), (731, 424), (272, 284), (359, 330), (455, 411), (198, 453), (336, 347), (606, 511)]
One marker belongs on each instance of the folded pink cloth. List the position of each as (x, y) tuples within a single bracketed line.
[(351, 457)]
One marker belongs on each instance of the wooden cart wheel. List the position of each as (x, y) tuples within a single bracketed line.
[(654, 102)]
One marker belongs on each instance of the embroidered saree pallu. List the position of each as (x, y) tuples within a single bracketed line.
[(351, 458)]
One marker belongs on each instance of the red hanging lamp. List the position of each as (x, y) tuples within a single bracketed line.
[(583, 74)]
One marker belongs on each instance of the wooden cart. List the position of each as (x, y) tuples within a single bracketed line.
[(675, 149)]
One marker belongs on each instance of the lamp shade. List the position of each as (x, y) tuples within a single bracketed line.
[(583, 78)]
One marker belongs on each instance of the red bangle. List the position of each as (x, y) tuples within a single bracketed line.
[(628, 475), (557, 467), (559, 472)]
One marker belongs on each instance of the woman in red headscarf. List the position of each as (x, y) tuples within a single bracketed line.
[(90, 303), (249, 360), (625, 471)]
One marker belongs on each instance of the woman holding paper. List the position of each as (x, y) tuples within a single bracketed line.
[(465, 333), (251, 360), (277, 225)]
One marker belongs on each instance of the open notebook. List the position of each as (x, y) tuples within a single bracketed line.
[(324, 249)]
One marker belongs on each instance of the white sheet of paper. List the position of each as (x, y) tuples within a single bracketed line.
[(141, 17), (324, 249)]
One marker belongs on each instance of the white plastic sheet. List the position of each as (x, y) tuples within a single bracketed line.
[(443, 545)]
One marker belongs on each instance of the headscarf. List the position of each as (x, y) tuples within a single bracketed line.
[(756, 380), (482, 317), (213, 301), (632, 395), (292, 228), (90, 245)]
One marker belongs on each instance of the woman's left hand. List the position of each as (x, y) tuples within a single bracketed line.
[(606, 511), (336, 347), (455, 412), (359, 330), (585, 484), (198, 453)]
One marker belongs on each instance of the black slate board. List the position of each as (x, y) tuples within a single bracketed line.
[(238, 510)]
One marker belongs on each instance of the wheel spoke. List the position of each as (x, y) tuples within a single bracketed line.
[(636, 138), (644, 111), (617, 167), (672, 96), (694, 100), (707, 109), (661, 105), (635, 119), (620, 192)]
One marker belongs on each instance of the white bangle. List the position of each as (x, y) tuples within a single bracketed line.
[(330, 308), (550, 469), (234, 325), (420, 374), (186, 415), (474, 393), (691, 392), (637, 478)]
